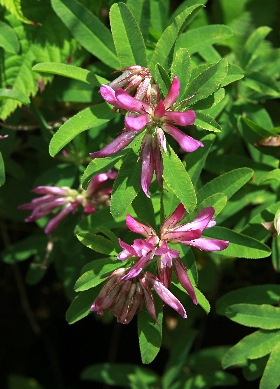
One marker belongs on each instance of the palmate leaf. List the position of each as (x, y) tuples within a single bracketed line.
[(38, 43)]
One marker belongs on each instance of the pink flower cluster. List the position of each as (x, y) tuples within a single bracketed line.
[(147, 112), (129, 287), (54, 197)]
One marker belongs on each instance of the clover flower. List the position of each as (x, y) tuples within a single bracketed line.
[(55, 197), (124, 298), (156, 247), (155, 117)]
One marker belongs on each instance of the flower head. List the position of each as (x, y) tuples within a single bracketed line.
[(55, 197), (157, 246), (156, 117), (124, 298)]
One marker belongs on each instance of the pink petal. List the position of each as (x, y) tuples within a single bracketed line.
[(173, 219), (137, 123), (108, 95), (160, 110), (186, 118), (161, 139), (157, 161), (201, 221), (175, 236), (116, 145), (186, 142), (96, 182), (54, 190), (184, 280), (138, 266), (130, 103), (138, 227), (149, 298), (166, 296), (127, 252), (173, 93), (57, 219), (147, 164), (207, 244)]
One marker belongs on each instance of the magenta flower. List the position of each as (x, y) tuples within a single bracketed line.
[(124, 298), (54, 197), (157, 248), (155, 117)]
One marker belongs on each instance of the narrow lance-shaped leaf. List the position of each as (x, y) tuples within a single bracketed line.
[(258, 294), (177, 179), (8, 38), (240, 246), (206, 122), (252, 315), (150, 333), (97, 272), (181, 67), (200, 38), (164, 48), (80, 306), (2, 170), (227, 183), (207, 82), (15, 8), (88, 30), (255, 345), (271, 374), (127, 37), (15, 95), (126, 185), (141, 12), (97, 243), (252, 44), (84, 120), (70, 71)]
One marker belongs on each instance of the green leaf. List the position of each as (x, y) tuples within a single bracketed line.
[(240, 246), (178, 354), (17, 381), (276, 253), (202, 300), (272, 175), (89, 31), (163, 79), (210, 101), (227, 183), (118, 374), (97, 272), (38, 43), (206, 122), (126, 185), (197, 39), (8, 38), (207, 82), (252, 315), (144, 209), (177, 179), (84, 120), (141, 12), (164, 48), (80, 306), (14, 94), (271, 374), (262, 83), (99, 165), (150, 333), (254, 369), (2, 170), (251, 45), (127, 37), (14, 6), (181, 67), (195, 161), (97, 243), (263, 133), (234, 73), (70, 71), (258, 294), (253, 346)]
